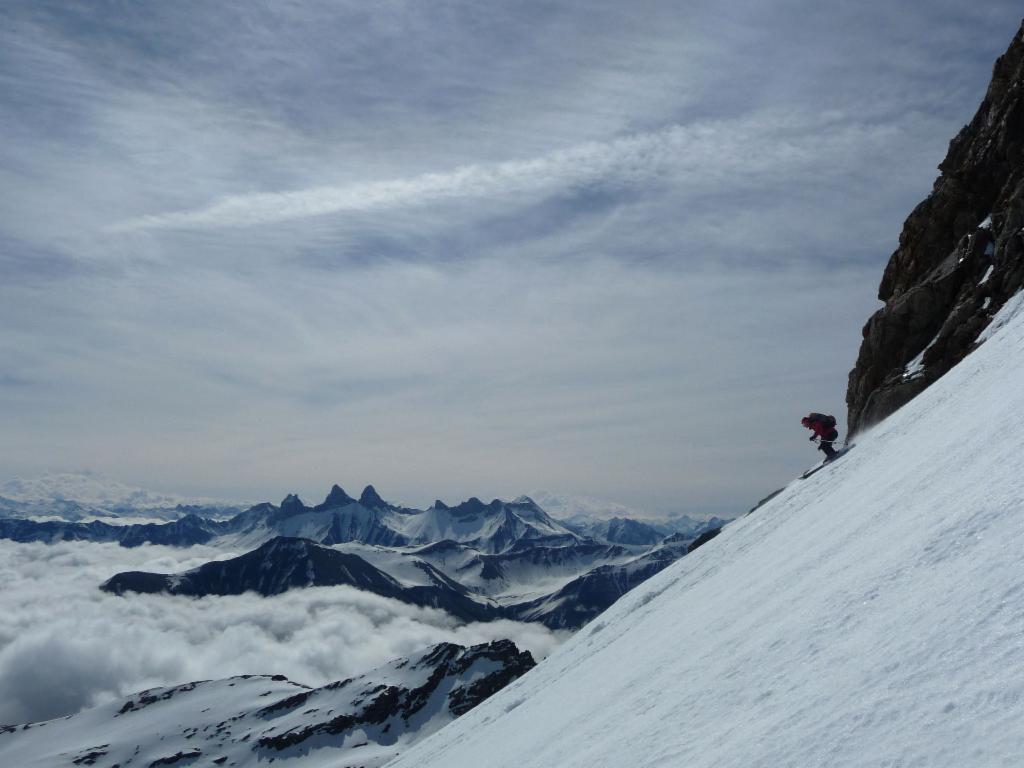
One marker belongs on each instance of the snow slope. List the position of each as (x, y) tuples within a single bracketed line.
[(872, 615)]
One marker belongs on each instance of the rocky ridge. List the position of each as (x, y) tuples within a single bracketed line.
[(259, 719), (960, 257)]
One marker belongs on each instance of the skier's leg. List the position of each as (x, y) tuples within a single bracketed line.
[(826, 447)]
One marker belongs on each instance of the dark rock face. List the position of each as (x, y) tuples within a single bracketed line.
[(960, 257), (514, 663), (291, 505), (765, 500), (395, 706), (703, 539), (472, 506)]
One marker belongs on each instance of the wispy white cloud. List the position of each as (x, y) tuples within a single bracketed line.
[(725, 153), (628, 160)]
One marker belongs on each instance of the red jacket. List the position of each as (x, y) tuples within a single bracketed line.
[(821, 426), (821, 429)]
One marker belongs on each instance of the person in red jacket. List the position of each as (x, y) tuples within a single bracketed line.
[(824, 428)]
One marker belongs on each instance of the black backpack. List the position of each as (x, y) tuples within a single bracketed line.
[(822, 418)]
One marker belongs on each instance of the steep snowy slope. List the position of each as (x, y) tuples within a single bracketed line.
[(872, 615)]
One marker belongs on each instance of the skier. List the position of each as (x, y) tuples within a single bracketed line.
[(824, 428)]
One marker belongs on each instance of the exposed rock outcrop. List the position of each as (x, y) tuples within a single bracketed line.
[(960, 257)]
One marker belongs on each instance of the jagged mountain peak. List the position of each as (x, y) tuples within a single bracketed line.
[(335, 498), (471, 506), (292, 505), (371, 499)]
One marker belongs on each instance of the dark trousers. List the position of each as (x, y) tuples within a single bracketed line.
[(825, 446)]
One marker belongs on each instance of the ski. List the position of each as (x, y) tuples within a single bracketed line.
[(817, 468)]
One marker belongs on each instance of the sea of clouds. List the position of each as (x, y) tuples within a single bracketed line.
[(65, 645)]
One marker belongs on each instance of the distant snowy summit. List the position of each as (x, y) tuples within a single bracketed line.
[(78, 496), (258, 719), (618, 523)]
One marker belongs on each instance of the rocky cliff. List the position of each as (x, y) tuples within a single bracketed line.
[(960, 257)]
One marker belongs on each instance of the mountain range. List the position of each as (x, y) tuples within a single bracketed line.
[(478, 561)]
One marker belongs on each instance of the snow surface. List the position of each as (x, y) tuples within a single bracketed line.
[(871, 615), (1007, 313), (916, 365)]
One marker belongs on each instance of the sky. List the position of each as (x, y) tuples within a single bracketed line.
[(457, 249)]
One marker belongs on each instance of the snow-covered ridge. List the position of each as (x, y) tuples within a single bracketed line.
[(869, 615), (257, 719)]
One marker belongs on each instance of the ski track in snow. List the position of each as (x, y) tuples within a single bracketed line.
[(871, 615)]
